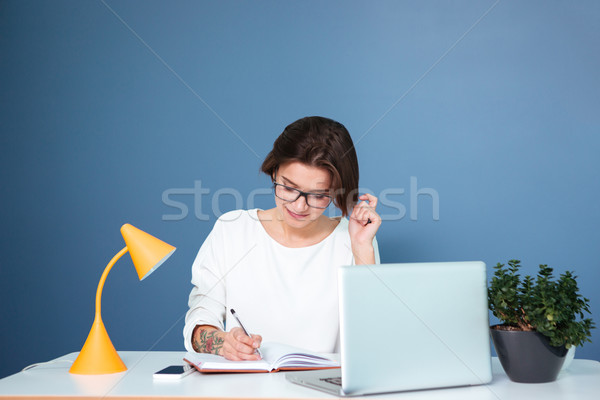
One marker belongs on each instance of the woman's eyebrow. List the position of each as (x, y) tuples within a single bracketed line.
[(289, 182)]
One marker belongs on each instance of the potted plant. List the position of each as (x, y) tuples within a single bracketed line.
[(541, 319)]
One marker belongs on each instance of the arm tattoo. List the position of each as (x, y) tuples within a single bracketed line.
[(207, 341)]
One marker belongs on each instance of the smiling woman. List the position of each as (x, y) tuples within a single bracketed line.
[(322, 143), (278, 267)]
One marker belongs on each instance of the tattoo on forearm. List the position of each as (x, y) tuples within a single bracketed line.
[(207, 341)]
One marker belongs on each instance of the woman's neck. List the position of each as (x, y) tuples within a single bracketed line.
[(290, 236)]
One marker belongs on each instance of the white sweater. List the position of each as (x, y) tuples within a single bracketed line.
[(286, 295)]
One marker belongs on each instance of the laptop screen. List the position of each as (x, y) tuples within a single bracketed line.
[(413, 326)]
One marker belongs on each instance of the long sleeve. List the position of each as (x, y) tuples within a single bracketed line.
[(207, 304)]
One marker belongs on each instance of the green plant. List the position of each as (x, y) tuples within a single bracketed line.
[(551, 307)]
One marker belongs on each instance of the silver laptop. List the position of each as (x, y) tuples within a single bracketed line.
[(408, 327)]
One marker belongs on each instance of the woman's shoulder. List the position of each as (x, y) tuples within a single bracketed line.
[(239, 216), (342, 223), (338, 230), (235, 224), (237, 220)]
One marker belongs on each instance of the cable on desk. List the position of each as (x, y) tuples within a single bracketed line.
[(44, 363)]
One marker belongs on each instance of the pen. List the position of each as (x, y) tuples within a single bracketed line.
[(244, 329)]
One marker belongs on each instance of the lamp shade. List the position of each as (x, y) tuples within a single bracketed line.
[(147, 252)]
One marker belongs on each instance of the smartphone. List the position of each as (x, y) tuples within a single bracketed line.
[(173, 372)]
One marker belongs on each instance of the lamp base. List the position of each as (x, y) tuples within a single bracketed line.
[(98, 355)]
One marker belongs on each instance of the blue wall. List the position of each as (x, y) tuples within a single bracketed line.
[(111, 112)]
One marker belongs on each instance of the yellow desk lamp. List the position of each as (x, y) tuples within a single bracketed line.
[(98, 355)]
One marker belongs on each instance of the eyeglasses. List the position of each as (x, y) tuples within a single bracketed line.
[(290, 194)]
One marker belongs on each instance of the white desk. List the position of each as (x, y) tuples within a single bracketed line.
[(581, 381)]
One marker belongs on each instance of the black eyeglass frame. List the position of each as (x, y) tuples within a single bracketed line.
[(301, 193)]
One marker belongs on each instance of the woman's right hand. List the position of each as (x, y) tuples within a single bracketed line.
[(237, 346), (233, 345)]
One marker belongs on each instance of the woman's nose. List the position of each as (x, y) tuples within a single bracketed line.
[(301, 202)]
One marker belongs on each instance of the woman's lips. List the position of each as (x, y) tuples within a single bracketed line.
[(296, 216)]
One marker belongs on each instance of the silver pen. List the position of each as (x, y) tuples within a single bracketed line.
[(244, 329)]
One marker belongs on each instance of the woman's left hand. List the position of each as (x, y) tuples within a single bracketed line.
[(364, 223)]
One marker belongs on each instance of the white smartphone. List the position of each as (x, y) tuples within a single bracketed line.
[(173, 372)]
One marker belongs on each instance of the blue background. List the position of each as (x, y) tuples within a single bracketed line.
[(111, 112)]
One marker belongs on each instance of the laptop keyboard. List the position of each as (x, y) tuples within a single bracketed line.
[(335, 381)]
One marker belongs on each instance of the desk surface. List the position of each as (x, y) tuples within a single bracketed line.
[(580, 381)]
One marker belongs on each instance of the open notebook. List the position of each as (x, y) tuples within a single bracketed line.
[(276, 357)]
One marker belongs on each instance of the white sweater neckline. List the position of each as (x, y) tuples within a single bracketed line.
[(254, 214)]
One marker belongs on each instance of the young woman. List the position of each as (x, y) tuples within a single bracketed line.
[(278, 268)]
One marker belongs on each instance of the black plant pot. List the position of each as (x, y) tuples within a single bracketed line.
[(527, 357)]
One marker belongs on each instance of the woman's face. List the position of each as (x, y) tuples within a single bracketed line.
[(298, 214)]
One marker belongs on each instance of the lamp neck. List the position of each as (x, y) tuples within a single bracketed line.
[(103, 279)]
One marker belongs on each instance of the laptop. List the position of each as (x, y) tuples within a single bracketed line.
[(408, 327)]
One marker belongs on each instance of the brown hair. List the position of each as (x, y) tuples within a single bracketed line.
[(323, 143)]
